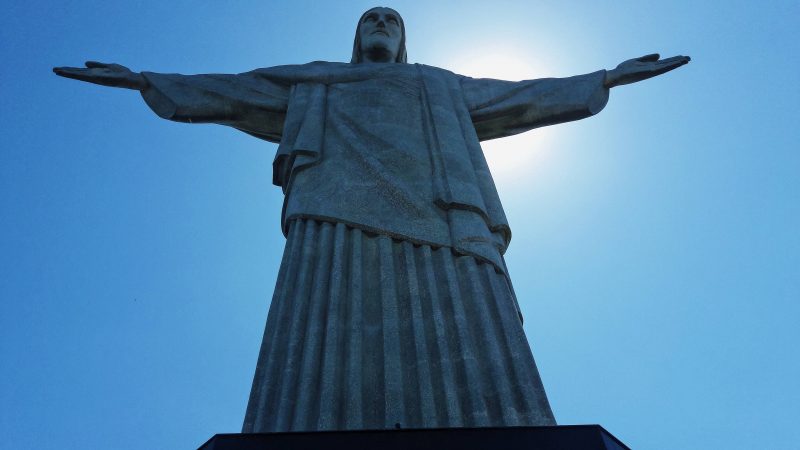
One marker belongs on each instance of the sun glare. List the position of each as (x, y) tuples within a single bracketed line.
[(516, 155)]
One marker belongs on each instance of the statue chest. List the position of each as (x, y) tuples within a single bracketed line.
[(378, 125)]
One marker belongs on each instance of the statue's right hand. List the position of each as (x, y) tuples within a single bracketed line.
[(113, 75)]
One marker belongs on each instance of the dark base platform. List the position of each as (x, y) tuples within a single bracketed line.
[(565, 437)]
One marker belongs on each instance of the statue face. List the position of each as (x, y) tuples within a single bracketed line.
[(380, 32)]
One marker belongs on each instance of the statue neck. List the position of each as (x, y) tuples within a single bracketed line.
[(379, 55)]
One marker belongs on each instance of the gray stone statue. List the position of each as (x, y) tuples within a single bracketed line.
[(393, 305)]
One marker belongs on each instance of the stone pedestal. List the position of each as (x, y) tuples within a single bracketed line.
[(566, 437)]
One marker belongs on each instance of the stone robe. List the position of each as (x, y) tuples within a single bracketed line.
[(393, 262)]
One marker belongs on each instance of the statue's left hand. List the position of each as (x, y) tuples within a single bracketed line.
[(639, 69), (113, 75)]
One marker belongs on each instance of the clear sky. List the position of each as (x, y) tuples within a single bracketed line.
[(656, 249)]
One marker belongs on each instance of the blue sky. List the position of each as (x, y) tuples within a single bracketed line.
[(656, 252)]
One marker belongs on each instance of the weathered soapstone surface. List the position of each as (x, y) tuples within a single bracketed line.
[(393, 305)]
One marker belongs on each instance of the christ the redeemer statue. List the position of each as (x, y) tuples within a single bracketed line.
[(393, 305)]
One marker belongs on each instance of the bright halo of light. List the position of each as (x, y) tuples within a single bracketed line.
[(518, 155), (500, 62)]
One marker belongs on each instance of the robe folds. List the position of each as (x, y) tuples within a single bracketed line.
[(395, 239)]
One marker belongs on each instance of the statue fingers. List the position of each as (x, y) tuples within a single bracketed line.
[(674, 60), (671, 63), (94, 75), (74, 73)]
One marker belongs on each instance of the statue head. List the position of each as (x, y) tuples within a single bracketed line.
[(380, 37)]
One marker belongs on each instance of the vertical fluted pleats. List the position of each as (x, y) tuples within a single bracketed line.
[(368, 332)]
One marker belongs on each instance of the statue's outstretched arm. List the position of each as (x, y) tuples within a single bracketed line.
[(247, 101), (638, 69), (113, 75), (503, 108)]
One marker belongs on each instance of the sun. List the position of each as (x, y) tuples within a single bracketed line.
[(511, 156)]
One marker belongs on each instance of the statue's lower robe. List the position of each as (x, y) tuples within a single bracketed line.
[(366, 331)]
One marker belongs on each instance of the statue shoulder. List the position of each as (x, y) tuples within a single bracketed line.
[(315, 71), (437, 71), (326, 72)]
